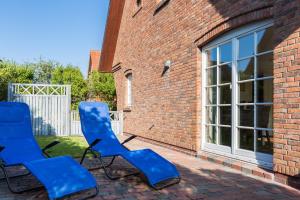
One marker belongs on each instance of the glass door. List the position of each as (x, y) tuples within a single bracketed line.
[(218, 102), (255, 94), (238, 93)]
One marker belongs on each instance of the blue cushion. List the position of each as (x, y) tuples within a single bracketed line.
[(16, 134), (18, 151), (15, 121), (95, 123), (11, 114), (153, 166), (61, 176)]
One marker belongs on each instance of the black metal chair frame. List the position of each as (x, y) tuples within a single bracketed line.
[(106, 170), (8, 178), (102, 163)]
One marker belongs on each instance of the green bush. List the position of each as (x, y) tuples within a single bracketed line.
[(71, 75), (10, 72), (98, 85), (102, 86)]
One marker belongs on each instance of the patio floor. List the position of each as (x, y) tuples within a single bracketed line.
[(200, 180)]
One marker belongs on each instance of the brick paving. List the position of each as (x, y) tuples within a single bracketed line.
[(200, 180)]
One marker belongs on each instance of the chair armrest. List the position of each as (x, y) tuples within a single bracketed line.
[(52, 144), (96, 141), (129, 139), (2, 148)]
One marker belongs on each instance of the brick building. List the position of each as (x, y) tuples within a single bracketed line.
[(94, 61), (216, 76)]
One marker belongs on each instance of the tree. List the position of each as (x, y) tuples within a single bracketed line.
[(98, 85), (71, 75), (101, 85), (11, 72), (43, 71)]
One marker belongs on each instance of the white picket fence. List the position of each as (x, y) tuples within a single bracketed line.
[(50, 109), (116, 119)]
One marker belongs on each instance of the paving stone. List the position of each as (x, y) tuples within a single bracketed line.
[(201, 180)]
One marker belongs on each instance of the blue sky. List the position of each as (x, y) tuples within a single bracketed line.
[(60, 30)]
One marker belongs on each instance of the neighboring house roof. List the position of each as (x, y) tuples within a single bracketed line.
[(94, 63), (111, 34)]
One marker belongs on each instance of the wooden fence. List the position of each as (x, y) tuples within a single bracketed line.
[(116, 119), (49, 106), (50, 109)]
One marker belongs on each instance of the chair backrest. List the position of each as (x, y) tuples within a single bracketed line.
[(15, 121), (96, 124), (16, 131)]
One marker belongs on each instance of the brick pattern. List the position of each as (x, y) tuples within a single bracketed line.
[(200, 180), (236, 21), (94, 61), (241, 166), (167, 108), (287, 88)]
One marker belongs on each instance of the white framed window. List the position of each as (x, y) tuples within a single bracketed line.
[(129, 90), (238, 93)]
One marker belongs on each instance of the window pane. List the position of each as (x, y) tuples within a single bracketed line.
[(264, 142), (265, 90), (246, 46), (265, 65), (246, 139), (211, 96), (225, 115), (212, 57), (246, 92), (264, 116), (211, 134), (265, 40), (211, 114), (225, 94), (246, 69), (246, 117), (225, 73), (129, 90), (225, 136), (225, 53), (212, 76)]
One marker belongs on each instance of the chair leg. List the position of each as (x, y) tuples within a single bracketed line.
[(108, 165), (17, 176), (13, 190), (168, 183), (92, 195), (96, 156), (84, 154), (103, 166), (111, 177)]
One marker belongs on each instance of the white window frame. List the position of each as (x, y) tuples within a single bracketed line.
[(129, 90), (262, 159)]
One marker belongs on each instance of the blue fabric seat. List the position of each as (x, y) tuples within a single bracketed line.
[(96, 125), (27, 149), (60, 176)]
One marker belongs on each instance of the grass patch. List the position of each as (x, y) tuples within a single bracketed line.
[(71, 145)]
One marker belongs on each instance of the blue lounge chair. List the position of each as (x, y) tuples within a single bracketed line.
[(60, 176), (96, 127)]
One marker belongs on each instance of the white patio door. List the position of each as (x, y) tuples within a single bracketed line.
[(238, 94)]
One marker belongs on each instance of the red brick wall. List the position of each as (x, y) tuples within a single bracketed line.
[(168, 108), (94, 61), (287, 87)]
